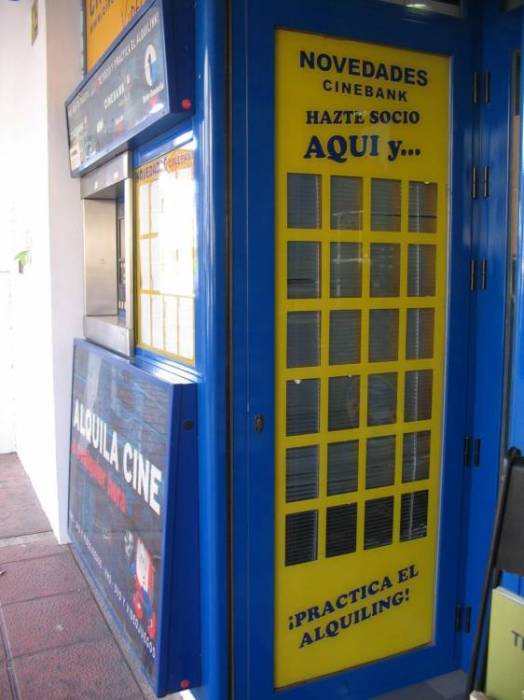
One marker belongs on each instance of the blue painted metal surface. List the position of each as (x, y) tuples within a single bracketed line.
[(498, 36), (254, 106), (133, 508)]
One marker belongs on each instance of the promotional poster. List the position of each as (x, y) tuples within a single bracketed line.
[(118, 472)]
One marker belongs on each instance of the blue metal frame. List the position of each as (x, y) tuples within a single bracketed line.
[(253, 32), (516, 425), (498, 36)]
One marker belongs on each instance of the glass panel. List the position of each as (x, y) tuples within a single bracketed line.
[(301, 473), (385, 270), (346, 203), (342, 467), (419, 395), (415, 459), (344, 402), (303, 399), (341, 530), (303, 270), (301, 537), (385, 205), (344, 337), (414, 516), (303, 338), (379, 523), (383, 335), (380, 462), (382, 398), (421, 270), (303, 201), (423, 207), (420, 332), (346, 270)]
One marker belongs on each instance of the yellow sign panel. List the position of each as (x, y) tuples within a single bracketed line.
[(166, 254), (105, 19), (362, 142)]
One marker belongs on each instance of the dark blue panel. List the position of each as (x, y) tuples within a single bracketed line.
[(133, 508)]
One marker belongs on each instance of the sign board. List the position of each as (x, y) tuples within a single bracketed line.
[(104, 20), (505, 673), (147, 77), (122, 476), (362, 168)]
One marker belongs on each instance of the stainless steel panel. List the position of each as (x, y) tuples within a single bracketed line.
[(100, 257), (106, 331), (100, 183)]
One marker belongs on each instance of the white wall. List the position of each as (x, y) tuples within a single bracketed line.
[(46, 217)]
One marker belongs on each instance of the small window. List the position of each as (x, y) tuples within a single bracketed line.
[(303, 403), (344, 403), (303, 201), (418, 395), (420, 334), (378, 530), (341, 530), (346, 270), (342, 467), (414, 516), (380, 462), (422, 207), (382, 398), (344, 337), (383, 335), (301, 537), (385, 270), (416, 456), (421, 270), (346, 203), (303, 270), (303, 339), (301, 473), (385, 205)]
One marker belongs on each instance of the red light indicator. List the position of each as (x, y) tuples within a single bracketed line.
[(186, 103), (184, 684)]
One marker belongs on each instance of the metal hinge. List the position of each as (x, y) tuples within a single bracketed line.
[(483, 275), (485, 181), (486, 87), (474, 182), (476, 452), (463, 618), (475, 91), (472, 275), (467, 451)]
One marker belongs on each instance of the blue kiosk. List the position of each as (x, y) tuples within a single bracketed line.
[(302, 355)]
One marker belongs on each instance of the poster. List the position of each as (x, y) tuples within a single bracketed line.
[(361, 231), (105, 19), (118, 472)]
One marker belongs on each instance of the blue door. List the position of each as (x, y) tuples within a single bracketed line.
[(352, 129)]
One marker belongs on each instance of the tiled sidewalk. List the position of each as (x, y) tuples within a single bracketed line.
[(55, 643)]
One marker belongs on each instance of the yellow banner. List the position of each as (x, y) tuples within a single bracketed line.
[(362, 143), (105, 19)]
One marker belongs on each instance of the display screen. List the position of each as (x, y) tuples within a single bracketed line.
[(127, 93), (118, 472), (166, 254)]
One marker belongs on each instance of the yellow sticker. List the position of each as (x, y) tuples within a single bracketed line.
[(104, 20), (362, 144)]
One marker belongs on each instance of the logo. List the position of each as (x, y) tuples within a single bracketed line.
[(151, 66)]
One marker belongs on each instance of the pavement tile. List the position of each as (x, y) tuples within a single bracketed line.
[(35, 578), (5, 687), (45, 623), (94, 670), (20, 511), (32, 550)]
